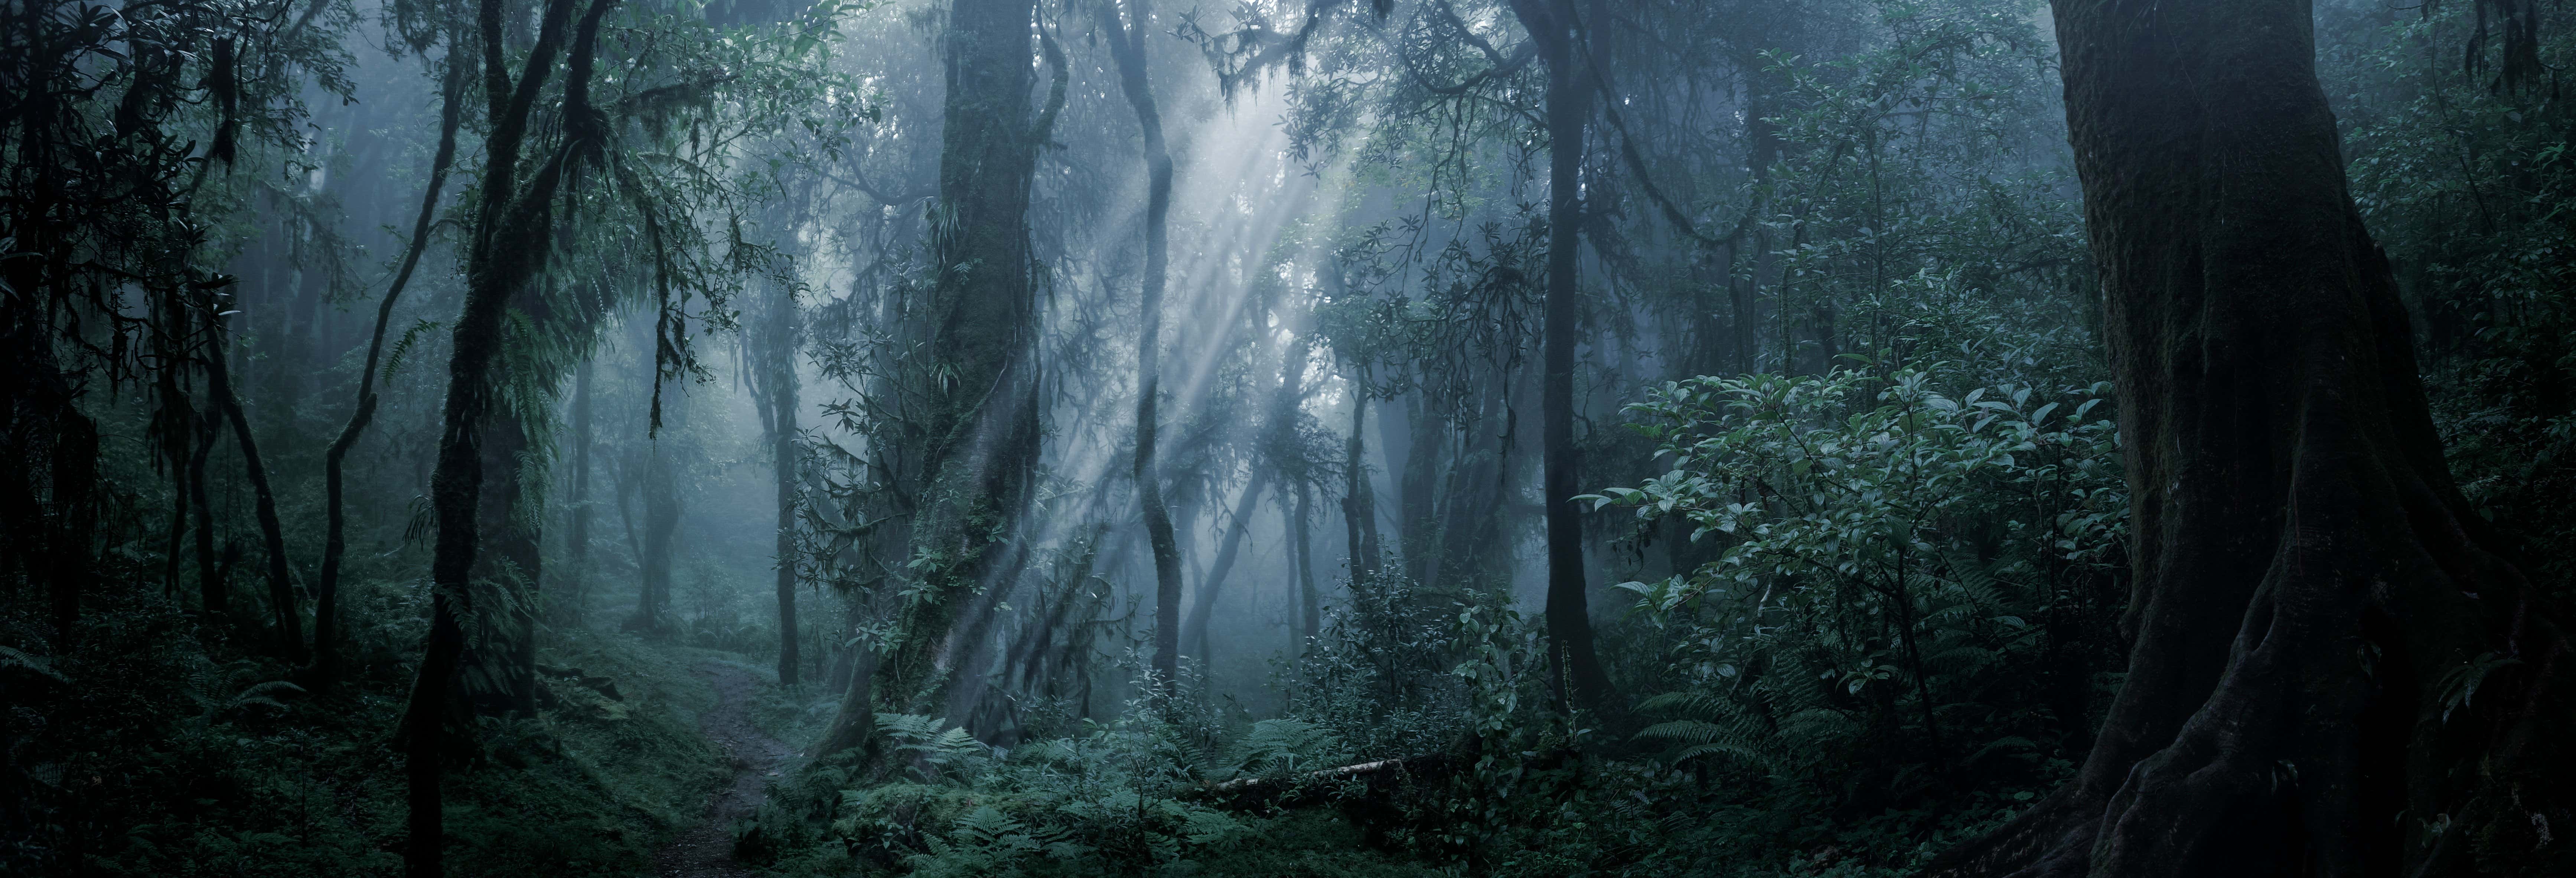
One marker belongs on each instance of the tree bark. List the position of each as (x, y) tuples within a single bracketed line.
[(979, 411), (1127, 47), (784, 453), (281, 587), (2315, 603), (1577, 669)]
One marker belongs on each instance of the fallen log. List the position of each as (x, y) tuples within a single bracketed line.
[(1375, 778)]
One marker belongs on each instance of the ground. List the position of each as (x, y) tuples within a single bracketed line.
[(705, 850)]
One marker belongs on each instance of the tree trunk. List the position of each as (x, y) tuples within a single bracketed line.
[(1418, 533), (214, 589), (1309, 604), (335, 543), (574, 603), (653, 562), (174, 421), (510, 565), (1359, 500), (281, 587), (783, 448), (1578, 672), (2315, 603), (1214, 584), (979, 409), (1127, 46), (499, 264)]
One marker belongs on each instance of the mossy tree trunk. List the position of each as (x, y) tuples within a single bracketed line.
[(499, 265), (2315, 602), (978, 414)]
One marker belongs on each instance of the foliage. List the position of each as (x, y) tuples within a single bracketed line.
[(1108, 800), (2467, 186), (1908, 591), (1377, 676), (167, 757)]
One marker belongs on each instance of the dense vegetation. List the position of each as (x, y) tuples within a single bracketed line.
[(1286, 437)]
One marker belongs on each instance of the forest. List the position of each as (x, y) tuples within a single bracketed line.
[(1271, 438)]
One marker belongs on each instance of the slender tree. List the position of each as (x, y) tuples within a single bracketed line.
[(1310, 610), (780, 408), (1551, 24), (1127, 47), (572, 604), (335, 540), (2314, 603), (288, 614)]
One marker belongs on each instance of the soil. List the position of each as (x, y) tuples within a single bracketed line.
[(706, 850)]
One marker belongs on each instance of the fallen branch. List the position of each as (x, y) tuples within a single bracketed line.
[(1310, 787)]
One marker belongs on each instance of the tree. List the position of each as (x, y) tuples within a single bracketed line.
[(778, 410), (335, 542), (1551, 24), (573, 605), (973, 444), (1127, 46), (661, 491), (281, 589), (499, 266), (2337, 670)]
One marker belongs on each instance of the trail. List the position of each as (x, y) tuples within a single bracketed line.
[(706, 850)]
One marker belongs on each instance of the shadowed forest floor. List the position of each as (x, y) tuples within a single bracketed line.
[(705, 850)]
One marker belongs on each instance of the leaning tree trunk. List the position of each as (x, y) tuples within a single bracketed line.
[(1569, 109), (281, 589), (980, 408), (1213, 586), (1127, 46), (2315, 604)]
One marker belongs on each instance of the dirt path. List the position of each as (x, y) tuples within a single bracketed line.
[(706, 850)]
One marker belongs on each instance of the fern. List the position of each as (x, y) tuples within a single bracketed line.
[(934, 744)]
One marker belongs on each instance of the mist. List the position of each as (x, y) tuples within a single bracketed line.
[(1284, 437)]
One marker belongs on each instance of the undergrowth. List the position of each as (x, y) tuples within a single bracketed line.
[(150, 752)]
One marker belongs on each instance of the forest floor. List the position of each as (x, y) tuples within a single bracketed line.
[(706, 850)]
